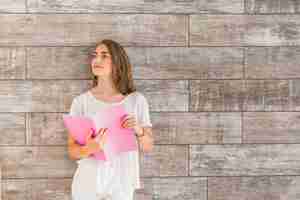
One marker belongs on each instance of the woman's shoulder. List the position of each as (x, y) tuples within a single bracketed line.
[(80, 97), (139, 96)]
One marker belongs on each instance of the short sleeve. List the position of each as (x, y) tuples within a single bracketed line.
[(75, 108), (143, 111)]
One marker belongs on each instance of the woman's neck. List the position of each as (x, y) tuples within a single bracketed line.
[(105, 87)]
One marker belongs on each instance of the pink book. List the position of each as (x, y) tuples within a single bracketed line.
[(118, 139)]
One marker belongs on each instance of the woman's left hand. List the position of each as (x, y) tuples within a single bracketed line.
[(130, 122)]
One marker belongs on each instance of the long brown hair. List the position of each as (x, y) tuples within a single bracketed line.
[(121, 67)]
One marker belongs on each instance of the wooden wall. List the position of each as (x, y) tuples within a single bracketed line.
[(221, 77)]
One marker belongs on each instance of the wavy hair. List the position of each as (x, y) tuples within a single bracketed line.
[(121, 67)]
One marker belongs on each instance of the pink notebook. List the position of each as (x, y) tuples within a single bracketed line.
[(118, 139)]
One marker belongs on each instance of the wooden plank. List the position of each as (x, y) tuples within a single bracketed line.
[(272, 62), (12, 128), (36, 189), (165, 160), (200, 6), (272, 6), (63, 30), (196, 128), (271, 127), (36, 162), (243, 188), (244, 160), (12, 63), (241, 30), (16, 6)]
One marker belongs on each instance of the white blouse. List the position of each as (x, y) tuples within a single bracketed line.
[(97, 176)]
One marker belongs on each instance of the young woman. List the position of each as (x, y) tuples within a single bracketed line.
[(112, 84)]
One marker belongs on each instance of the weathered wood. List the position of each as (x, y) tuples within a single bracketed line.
[(267, 95), (264, 187), (177, 188), (36, 162), (58, 63), (244, 160), (240, 30), (196, 128), (165, 160), (272, 62), (12, 129), (36, 189), (216, 95), (15, 6), (147, 63), (46, 129), (149, 6), (12, 63), (87, 29), (40, 96), (272, 6), (165, 95), (244, 95), (187, 63), (271, 127)]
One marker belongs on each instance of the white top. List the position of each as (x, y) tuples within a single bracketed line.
[(125, 168)]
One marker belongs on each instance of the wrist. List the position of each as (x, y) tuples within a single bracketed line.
[(140, 133), (92, 147)]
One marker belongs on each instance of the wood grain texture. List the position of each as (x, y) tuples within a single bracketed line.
[(165, 95), (244, 160), (240, 30), (216, 95), (149, 6), (13, 6), (272, 62), (39, 96), (272, 6), (196, 128), (264, 187), (295, 94), (36, 189), (61, 29), (36, 162), (176, 188), (58, 63), (46, 129), (12, 128), (271, 127), (12, 63), (165, 160), (244, 95), (187, 63), (267, 95), (147, 62)]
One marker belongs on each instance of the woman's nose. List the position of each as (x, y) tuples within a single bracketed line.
[(98, 60)]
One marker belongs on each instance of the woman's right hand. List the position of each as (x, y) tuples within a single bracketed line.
[(96, 144)]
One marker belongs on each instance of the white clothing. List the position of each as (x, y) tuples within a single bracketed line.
[(119, 178)]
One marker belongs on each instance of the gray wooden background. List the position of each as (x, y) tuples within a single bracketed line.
[(222, 79)]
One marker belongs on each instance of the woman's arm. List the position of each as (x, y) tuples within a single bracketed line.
[(145, 139)]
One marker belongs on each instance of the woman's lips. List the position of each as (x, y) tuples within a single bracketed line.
[(97, 66)]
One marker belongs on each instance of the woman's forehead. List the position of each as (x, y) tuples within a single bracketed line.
[(101, 49)]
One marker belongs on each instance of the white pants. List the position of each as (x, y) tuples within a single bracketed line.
[(84, 184)]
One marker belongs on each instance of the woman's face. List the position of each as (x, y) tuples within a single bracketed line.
[(101, 62)]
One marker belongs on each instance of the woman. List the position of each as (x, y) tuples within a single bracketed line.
[(112, 85)]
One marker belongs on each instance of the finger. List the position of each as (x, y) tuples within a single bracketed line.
[(127, 117), (100, 132)]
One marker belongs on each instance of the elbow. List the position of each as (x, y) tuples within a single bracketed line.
[(148, 147), (72, 154)]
